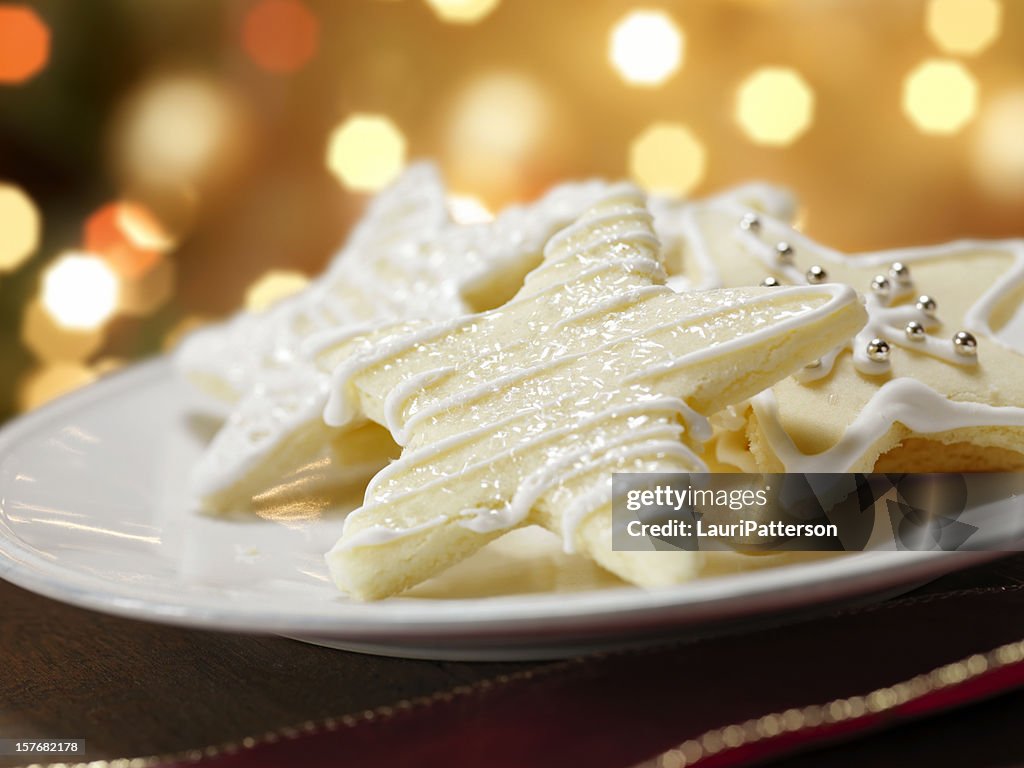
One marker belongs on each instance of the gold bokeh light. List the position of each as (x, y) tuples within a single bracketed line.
[(462, 11), (179, 130), (20, 226), (998, 147), (667, 158), (940, 96), (774, 106), (80, 291), (502, 127), (646, 47), (272, 287), (964, 27), (49, 341), (366, 152)]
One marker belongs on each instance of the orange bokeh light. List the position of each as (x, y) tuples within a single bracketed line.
[(24, 44), (112, 232), (280, 35)]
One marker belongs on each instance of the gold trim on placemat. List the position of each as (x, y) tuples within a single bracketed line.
[(718, 740)]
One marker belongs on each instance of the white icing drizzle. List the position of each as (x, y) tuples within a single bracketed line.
[(904, 401), (675, 223), (839, 295), (633, 422), (886, 320), (685, 418), (397, 398)]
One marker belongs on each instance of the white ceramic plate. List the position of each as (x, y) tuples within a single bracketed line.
[(93, 511)]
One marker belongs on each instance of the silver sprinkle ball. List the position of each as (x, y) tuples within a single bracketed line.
[(770, 282), (927, 305), (816, 275), (880, 285), (965, 344), (750, 222), (915, 331), (878, 350), (900, 272), (784, 252)]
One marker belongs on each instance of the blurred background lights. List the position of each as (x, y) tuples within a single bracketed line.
[(366, 152), (467, 209), (667, 159), (142, 228), (940, 97), (774, 106), (500, 114), (502, 128), (273, 286), (50, 381), (963, 27), (646, 47), (24, 43), (462, 11), (124, 234), (49, 341), (280, 36), (19, 227), (177, 130), (998, 147), (80, 291)]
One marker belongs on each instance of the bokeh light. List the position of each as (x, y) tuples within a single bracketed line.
[(964, 27), (462, 11), (273, 286), (20, 225), (467, 209), (366, 152), (646, 47), (280, 36), (80, 290), (998, 147), (24, 43), (667, 158), (179, 130), (142, 227), (502, 125), (49, 341), (51, 381), (774, 106), (124, 234), (940, 97)]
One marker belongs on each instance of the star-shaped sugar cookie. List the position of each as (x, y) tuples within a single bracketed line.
[(933, 382), (406, 260), (520, 415)]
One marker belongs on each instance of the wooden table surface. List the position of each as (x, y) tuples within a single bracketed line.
[(131, 688)]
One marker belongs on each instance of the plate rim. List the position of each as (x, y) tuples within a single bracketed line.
[(705, 600)]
